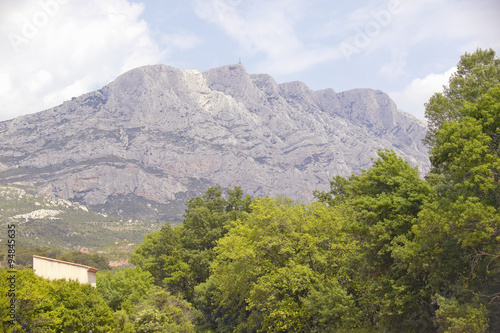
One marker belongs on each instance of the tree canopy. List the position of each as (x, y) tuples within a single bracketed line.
[(386, 250), (476, 73), (179, 257)]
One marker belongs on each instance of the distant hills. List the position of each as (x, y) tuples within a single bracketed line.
[(146, 142), (60, 224)]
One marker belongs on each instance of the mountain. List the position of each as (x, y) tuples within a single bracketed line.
[(157, 135)]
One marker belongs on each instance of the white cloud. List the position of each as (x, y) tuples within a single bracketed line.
[(267, 28), (418, 92), (54, 50), (5, 83), (411, 26)]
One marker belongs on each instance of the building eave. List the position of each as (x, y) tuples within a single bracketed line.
[(90, 269)]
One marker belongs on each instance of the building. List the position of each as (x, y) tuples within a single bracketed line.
[(57, 269)]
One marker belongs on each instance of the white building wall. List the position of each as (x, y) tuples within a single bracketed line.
[(53, 269), (91, 278)]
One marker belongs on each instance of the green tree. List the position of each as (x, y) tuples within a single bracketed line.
[(124, 288), (24, 256), (457, 237), (454, 317), (140, 306), (386, 200), (268, 266), (157, 253), (92, 260), (476, 74), (179, 257), (162, 312), (35, 309), (79, 308), (55, 306), (466, 151)]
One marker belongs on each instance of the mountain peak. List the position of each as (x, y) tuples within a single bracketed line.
[(157, 135)]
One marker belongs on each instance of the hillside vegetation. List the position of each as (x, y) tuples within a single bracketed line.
[(66, 226), (381, 251)]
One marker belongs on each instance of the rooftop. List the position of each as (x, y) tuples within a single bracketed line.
[(90, 269)]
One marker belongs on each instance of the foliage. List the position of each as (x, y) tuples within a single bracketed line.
[(384, 250), (180, 257), (125, 301), (455, 317), (387, 198), (54, 306), (476, 74), (156, 251), (92, 260), (466, 151), (24, 256), (140, 306), (465, 220), (124, 288), (162, 312), (269, 266), (66, 225)]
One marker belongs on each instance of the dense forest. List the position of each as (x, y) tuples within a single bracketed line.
[(385, 250)]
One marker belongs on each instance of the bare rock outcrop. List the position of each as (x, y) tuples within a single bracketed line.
[(163, 134)]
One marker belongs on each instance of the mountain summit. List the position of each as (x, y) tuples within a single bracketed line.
[(157, 135)]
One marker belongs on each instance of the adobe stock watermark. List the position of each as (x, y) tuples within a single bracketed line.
[(30, 26), (363, 36), (11, 278)]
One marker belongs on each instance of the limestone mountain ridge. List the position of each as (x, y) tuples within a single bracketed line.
[(157, 135)]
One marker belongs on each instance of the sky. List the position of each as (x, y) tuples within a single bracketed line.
[(53, 50)]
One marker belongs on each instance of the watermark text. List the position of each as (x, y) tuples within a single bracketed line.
[(30, 26), (11, 273), (364, 35)]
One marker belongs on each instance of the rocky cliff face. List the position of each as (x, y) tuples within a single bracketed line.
[(158, 134)]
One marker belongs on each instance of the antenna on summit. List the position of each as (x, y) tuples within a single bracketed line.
[(239, 60)]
